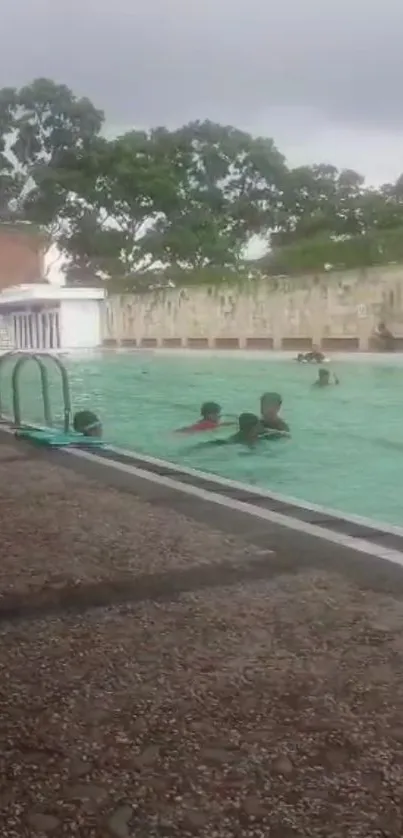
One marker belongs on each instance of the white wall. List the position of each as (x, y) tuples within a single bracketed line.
[(80, 324)]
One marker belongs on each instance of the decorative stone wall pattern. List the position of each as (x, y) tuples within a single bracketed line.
[(272, 312)]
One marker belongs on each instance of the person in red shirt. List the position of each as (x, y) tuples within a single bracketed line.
[(209, 421)]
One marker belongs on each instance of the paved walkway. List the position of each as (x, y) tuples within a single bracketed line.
[(209, 694)]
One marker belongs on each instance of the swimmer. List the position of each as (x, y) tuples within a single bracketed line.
[(383, 337), (249, 433), (324, 378), (86, 422), (210, 420), (270, 406), (315, 356)]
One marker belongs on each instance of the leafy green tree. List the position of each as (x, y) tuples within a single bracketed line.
[(40, 125), (319, 200), (11, 180), (191, 198), (121, 190), (382, 208), (156, 207), (230, 185), (49, 120)]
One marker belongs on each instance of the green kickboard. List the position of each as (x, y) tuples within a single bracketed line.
[(56, 439)]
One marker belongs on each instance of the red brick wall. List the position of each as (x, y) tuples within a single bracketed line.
[(21, 257)]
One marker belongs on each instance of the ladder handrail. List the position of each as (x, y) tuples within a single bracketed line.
[(65, 391), (3, 359), (22, 359)]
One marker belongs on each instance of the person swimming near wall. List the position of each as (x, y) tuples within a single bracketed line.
[(249, 433), (315, 356), (383, 338), (270, 406), (210, 419), (324, 378), (87, 423)]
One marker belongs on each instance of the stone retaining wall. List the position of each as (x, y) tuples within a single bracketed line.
[(337, 311)]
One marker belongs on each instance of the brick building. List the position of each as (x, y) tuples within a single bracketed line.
[(22, 252)]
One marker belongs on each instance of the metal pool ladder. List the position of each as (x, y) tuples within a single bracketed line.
[(22, 358)]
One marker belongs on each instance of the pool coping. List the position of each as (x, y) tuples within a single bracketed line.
[(265, 518), (210, 352), (282, 509)]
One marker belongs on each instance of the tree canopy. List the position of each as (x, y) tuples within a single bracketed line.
[(151, 206)]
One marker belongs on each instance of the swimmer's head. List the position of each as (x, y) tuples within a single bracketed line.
[(211, 411), (87, 423), (324, 375), (249, 426), (270, 404)]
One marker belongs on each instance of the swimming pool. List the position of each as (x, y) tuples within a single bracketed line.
[(346, 450)]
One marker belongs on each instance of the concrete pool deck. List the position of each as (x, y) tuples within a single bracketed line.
[(170, 667)]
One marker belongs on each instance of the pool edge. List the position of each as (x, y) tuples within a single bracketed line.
[(277, 525)]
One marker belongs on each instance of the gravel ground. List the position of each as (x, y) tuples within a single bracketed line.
[(59, 528), (272, 711), (260, 710)]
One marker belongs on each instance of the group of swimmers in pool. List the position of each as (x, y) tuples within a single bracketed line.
[(251, 428)]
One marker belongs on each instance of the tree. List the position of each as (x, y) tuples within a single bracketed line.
[(229, 188), (121, 190), (11, 186), (191, 198), (40, 125), (162, 206), (11, 180), (319, 200), (382, 208)]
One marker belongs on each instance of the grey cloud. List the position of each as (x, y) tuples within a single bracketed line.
[(152, 62)]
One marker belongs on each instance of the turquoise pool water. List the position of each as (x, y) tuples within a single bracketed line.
[(346, 450)]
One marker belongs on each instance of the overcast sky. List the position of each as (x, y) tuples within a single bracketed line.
[(323, 77)]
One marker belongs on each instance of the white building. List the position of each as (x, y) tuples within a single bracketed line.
[(50, 317)]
